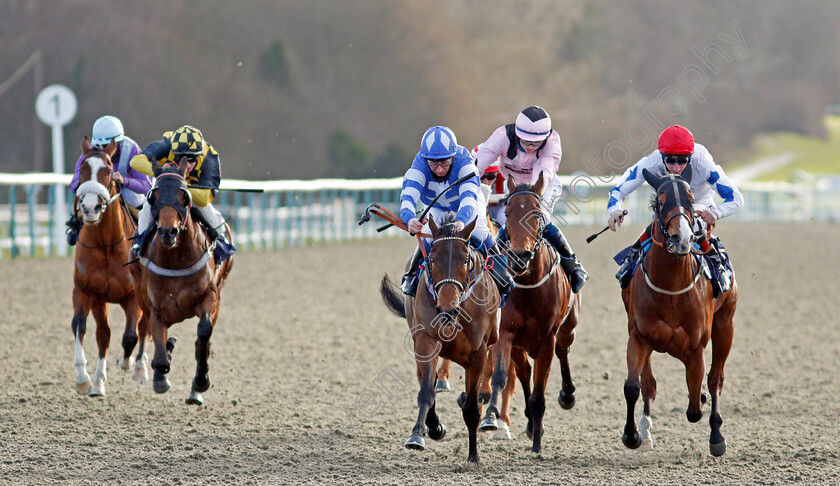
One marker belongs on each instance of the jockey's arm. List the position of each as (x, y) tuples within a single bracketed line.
[(149, 159)]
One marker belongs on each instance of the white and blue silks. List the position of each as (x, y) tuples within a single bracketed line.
[(420, 185)]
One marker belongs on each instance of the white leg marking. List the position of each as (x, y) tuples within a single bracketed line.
[(125, 364), (141, 370), (503, 432), (99, 378), (82, 378), (645, 424)]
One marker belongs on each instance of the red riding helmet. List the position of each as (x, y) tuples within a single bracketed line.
[(676, 140)]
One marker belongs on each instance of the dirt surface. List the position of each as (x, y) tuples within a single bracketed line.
[(312, 383)]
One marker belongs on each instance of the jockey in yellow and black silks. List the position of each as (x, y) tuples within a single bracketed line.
[(203, 169)]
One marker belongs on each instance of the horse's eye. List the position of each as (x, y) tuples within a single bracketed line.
[(467, 260), (431, 259)]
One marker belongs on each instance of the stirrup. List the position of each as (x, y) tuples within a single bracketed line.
[(409, 284)]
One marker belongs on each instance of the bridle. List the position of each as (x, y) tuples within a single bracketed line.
[(661, 209), (93, 186), (464, 288), (540, 236), (157, 204)]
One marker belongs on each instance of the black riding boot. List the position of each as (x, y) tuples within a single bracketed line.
[(224, 248), (499, 272), (573, 268), (74, 225), (625, 271), (721, 283), (410, 280)]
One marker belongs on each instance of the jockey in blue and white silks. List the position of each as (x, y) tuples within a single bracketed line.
[(439, 164), (676, 152)]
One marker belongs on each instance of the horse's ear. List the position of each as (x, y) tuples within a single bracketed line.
[(434, 227), (111, 149), (687, 173), (85, 145), (538, 187), (651, 179), (468, 229), (182, 166), (510, 185)]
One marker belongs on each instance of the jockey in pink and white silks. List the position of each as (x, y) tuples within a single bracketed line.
[(676, 152), (527, 149), (439, 163)]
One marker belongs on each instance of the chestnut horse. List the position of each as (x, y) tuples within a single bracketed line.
[(179, 279), (100, 277), (454, 316), (670, 309), (538, 320)]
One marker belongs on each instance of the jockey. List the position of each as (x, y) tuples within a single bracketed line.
[(134, 184), (439, 163), (494, 189), (527, 149), (676, 150), (203, 169)]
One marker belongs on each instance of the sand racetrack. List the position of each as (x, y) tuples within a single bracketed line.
[(303, 340)]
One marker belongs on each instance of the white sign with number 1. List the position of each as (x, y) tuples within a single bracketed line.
[(56, 107)]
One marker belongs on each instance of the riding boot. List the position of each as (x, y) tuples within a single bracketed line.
[(625, 271), (721, 283), (499, 272), (570, 264), (410, 279), (74, 225), (223, 248), (139, 242)]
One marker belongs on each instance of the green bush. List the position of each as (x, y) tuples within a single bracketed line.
[(274, 63), (348, 156)]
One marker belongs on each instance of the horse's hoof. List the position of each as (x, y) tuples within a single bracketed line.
[(195, 398), (704, 397), (502, 433), (647, 445), (416, 442), (161, 386), (483, 398), (488, 423), (124, 363), (461, 400), (97, 390), (717, 450), (201, 386), (632, 442), (529, 430), (566, 400), (84, 388), (439, 433), (442, 386)]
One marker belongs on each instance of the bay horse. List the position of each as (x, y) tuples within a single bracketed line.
[(538, 320), (179, 279), (99, 277), (670, 309), (453, 316)]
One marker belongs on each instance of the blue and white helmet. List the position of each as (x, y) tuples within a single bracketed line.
[(438, 143)]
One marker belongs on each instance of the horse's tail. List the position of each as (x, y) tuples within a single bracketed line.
[(392, 296)]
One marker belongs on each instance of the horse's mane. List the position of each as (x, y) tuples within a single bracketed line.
[(449, 225)]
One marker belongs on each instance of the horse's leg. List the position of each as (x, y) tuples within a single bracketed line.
[(565, 338), (423, 346), (81, 308), (163, 353), (132, 316), (695, 367), (722, 333), (471, 411), (484, 389), (648, 395), (501, 362), (503, 432), (637, 353), (542, 368), (141, 371), (443, 376), (201, 382), (523, 372), (103, 341)]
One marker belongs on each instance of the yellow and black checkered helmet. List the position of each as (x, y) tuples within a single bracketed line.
[(187, 140)]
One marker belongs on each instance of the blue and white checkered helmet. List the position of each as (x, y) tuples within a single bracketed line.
[(438, 143)]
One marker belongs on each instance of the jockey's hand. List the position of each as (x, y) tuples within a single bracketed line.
[(118, 177), (709, 217), (415, 226), (616, 219)]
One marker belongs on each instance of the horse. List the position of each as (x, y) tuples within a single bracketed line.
[(455, 318), (671, 309), (538, 320), (179, 279), (99, 277)]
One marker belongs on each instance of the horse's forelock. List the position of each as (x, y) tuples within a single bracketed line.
[(450, 225)]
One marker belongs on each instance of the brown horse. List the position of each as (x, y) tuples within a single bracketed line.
[(538, 320), (100, 277), (670, 309), (179, 279), (454, 316)]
